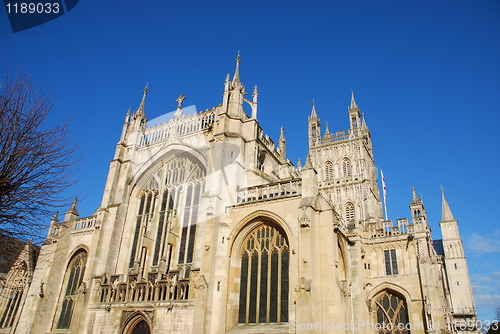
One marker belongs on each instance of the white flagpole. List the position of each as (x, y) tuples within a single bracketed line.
[(385, 195)]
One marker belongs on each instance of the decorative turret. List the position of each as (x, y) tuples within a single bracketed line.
[(354, 114), (314, 127), (254, 102), (139, 119), (418, 213), (72, 213), (125, 126), (235, 94), (309, 179), (53, 225), (282, 146)]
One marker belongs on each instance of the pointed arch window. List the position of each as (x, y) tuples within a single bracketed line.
[(349, 212), (73, 280), (392, 314), (328, 170), (346, 167), (264, 277)]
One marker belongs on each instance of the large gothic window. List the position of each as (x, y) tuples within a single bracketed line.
[(170, 196), (392, 314), (264, 277), (72, 281)]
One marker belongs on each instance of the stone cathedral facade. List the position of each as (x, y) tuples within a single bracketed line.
[(205, 226)]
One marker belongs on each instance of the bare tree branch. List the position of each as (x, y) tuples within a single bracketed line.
[(37, 163)]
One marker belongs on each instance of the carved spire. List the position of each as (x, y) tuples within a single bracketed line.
[(363, 123), (227, 82), (55, 219), (236, 78), (353, 102), (140, 110), (446, 211), (327, 131), (308, 164), (72, 213), (73, 208), (313, 111), (282, 134)]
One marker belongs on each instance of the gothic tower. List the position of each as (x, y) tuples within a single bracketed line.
[(346, 167)]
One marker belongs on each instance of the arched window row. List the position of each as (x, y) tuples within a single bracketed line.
[(264, 277)]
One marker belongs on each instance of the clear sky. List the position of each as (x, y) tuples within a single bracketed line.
[(425, 73)]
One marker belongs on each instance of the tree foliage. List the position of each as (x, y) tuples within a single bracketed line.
[(37, 162)]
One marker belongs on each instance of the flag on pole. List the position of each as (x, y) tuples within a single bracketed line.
[(383, 185)]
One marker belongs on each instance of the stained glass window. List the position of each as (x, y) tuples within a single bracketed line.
[(73, 279), (264, 277)]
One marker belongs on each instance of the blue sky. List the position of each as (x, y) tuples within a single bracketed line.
[(425, 73)]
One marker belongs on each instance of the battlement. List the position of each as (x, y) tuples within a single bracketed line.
[(338, 136), (390, 229)]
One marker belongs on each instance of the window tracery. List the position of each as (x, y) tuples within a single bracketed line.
[(392, 314)]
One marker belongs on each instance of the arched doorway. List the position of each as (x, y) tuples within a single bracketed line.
[(142, 327)]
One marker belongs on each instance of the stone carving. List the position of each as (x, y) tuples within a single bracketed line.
[(200, 283), (304, 285)]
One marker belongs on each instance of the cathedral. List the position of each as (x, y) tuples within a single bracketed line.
[(205, 226)]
